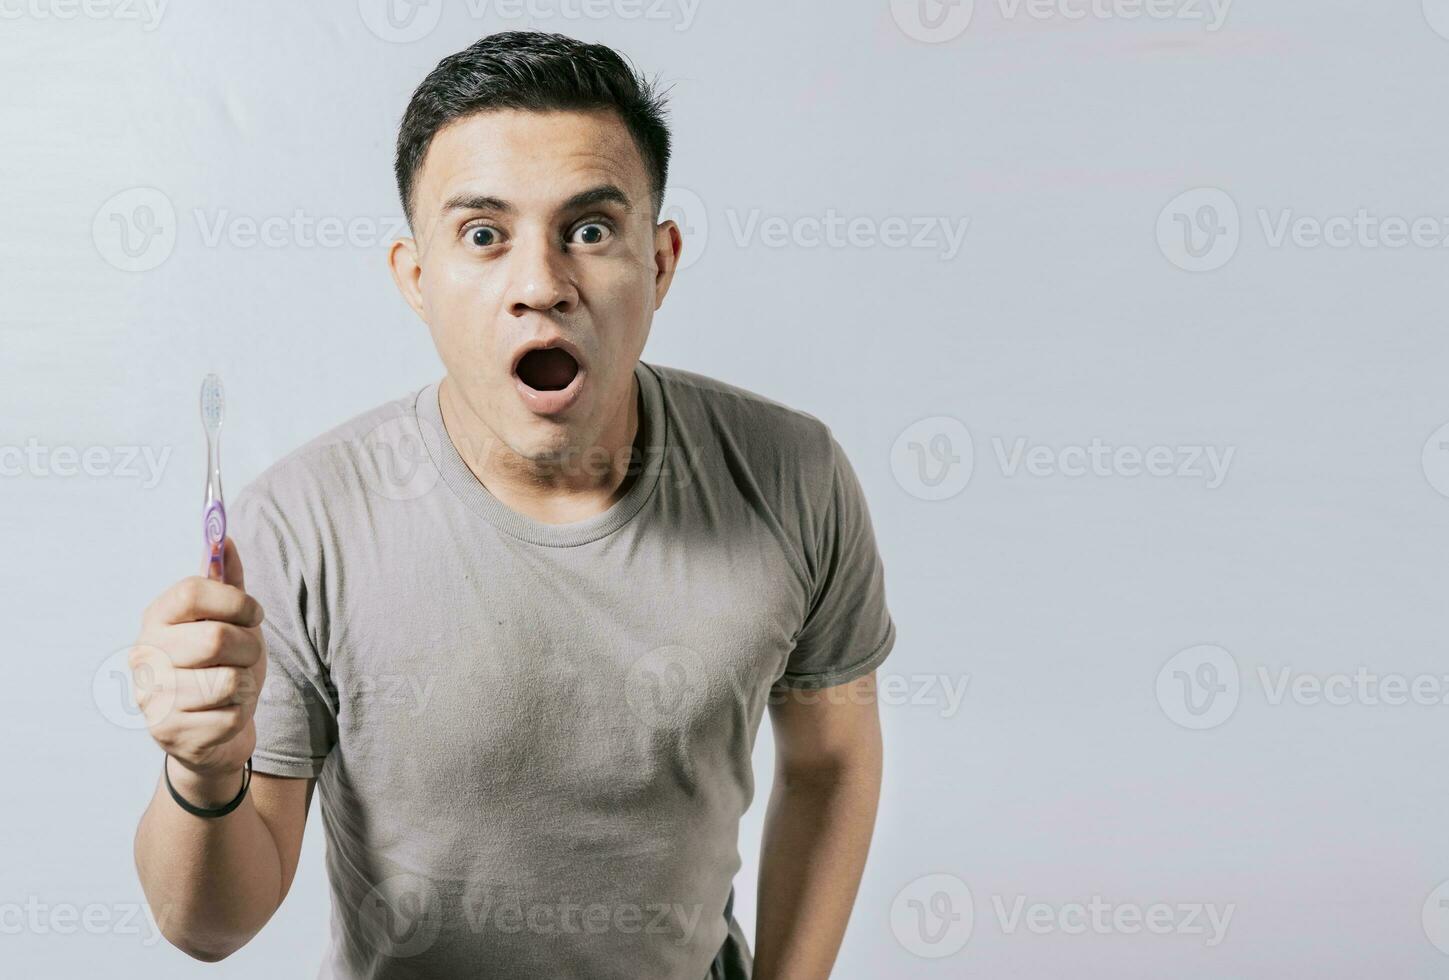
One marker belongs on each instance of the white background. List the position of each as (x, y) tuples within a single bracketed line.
[(1067, 315)]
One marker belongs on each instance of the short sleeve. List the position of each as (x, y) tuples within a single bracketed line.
[(296, 715), (848, 630)]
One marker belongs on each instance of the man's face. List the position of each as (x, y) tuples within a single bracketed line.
[(537, 228)]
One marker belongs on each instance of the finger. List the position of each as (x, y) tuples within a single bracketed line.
[(212, 566), (231, 560), (195, 598), (213, 551), (224, 566), (229, 567), (208, 729), (214, 687), (211, 644)]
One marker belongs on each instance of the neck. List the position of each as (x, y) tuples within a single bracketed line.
[(578, 482)]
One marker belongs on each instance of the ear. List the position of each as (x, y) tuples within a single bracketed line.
[(407, 272), (668, 243)]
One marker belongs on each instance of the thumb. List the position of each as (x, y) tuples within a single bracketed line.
[(231, 571), (231, 560)]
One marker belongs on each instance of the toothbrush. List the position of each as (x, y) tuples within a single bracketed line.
[(213, 407)]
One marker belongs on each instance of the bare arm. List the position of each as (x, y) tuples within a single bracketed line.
[(213, 883), (818, 826)]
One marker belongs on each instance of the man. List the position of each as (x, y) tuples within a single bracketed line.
[(521, 626)]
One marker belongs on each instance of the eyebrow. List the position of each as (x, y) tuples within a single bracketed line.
[(603, 194)]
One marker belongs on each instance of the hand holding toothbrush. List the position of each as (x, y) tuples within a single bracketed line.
[(200, 661)]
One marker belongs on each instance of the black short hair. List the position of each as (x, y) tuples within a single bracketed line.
[(538, 72)]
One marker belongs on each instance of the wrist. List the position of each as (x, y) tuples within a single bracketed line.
[(208, 789)]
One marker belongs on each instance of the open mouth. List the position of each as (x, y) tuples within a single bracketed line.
[(547, 369), (549, 375)]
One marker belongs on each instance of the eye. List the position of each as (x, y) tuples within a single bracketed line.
[(483, 235), (590, 233)]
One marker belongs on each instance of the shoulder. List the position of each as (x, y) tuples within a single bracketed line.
[(783, 461), (749, 424), (336, 461)]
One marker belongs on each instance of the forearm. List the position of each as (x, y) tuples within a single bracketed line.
[(817, 835), (211, 883)]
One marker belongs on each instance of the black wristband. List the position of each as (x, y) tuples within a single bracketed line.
[(198, 811)]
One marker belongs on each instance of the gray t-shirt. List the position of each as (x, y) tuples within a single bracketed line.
[(532, 741)]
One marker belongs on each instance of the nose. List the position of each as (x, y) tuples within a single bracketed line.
[(539, 278)]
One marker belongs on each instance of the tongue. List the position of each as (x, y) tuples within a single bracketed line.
[(550, 369)]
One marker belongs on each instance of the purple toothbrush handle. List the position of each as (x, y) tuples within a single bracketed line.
[(214, 526)]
